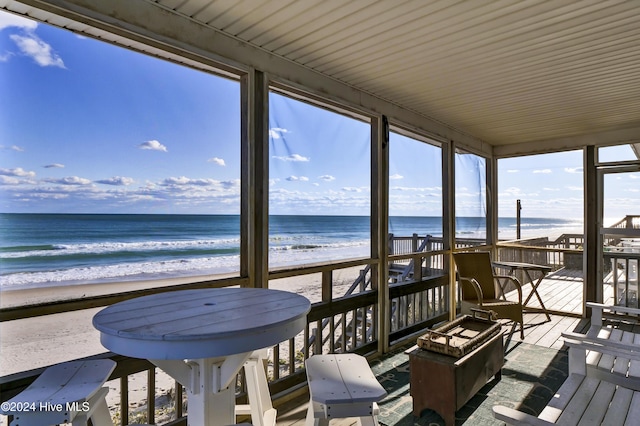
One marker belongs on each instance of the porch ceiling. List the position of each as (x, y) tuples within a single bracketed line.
[(505, 72)]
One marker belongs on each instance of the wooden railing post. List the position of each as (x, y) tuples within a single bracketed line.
[(124, 400), (151, 395)]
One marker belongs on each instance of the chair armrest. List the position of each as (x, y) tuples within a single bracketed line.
[(604, 346), (614, 308), (579, 344), (599, 308), (515, 417), (476, 287), (514, 280)]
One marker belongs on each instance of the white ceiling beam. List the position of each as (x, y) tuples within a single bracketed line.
[(629, 135)]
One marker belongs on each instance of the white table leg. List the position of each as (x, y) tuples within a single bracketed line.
[(261, 408)]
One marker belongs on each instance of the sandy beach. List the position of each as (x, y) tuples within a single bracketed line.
[(41, 341)]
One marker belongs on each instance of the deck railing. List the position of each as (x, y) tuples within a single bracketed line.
[(628, 222), (336, 323), (564, 252)]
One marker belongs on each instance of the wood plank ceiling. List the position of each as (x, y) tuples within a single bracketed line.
[(504, 71)]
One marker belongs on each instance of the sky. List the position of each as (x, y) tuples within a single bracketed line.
[(551, 185), (88, 127)]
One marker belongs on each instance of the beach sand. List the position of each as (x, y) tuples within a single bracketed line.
[(37, 342)]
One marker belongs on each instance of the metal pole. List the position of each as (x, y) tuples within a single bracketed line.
[(518, 208)]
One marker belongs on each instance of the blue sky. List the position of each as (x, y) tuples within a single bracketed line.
[(89, 127)]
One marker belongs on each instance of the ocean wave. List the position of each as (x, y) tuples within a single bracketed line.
[(549, 225), (18, 249), (327, 246), (106, 248), (122, 272), (183, 264)]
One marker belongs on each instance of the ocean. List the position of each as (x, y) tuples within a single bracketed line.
[(39, 250)]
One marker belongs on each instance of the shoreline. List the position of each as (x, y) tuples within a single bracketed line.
[(60, 292)]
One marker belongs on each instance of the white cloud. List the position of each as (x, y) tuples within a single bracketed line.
[(54, 166), (183, 180), (513, 171), (298, 178), (396, 176), (513, 191), (574, 188), (70, 180), (551, 189), (435, 189), (326, 178), (116, 181), (6, 180), (17, 172), (544, 171), (218, 161), (292, 157), (573, 169), (37, 49), (277, 132), (186, 182), (351, 189), (153, 145), (10, 20), (15, 148)]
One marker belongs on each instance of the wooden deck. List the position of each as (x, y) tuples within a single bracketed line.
[(561, 292), (538, 331)]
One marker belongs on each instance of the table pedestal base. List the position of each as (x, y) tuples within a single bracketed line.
[(210, 385)]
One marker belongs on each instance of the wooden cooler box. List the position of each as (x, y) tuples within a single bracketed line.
[(453, 362)]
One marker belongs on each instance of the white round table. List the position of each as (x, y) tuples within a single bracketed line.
[(202, 338)]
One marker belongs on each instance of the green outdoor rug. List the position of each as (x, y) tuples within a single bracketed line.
[(531, 375)]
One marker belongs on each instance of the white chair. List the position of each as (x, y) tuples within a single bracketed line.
[(619, 370), (585, 398), (70, 392), (340, 386)]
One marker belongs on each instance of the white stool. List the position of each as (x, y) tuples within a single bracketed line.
[(260, 406), (342, 385), (70, 392)]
